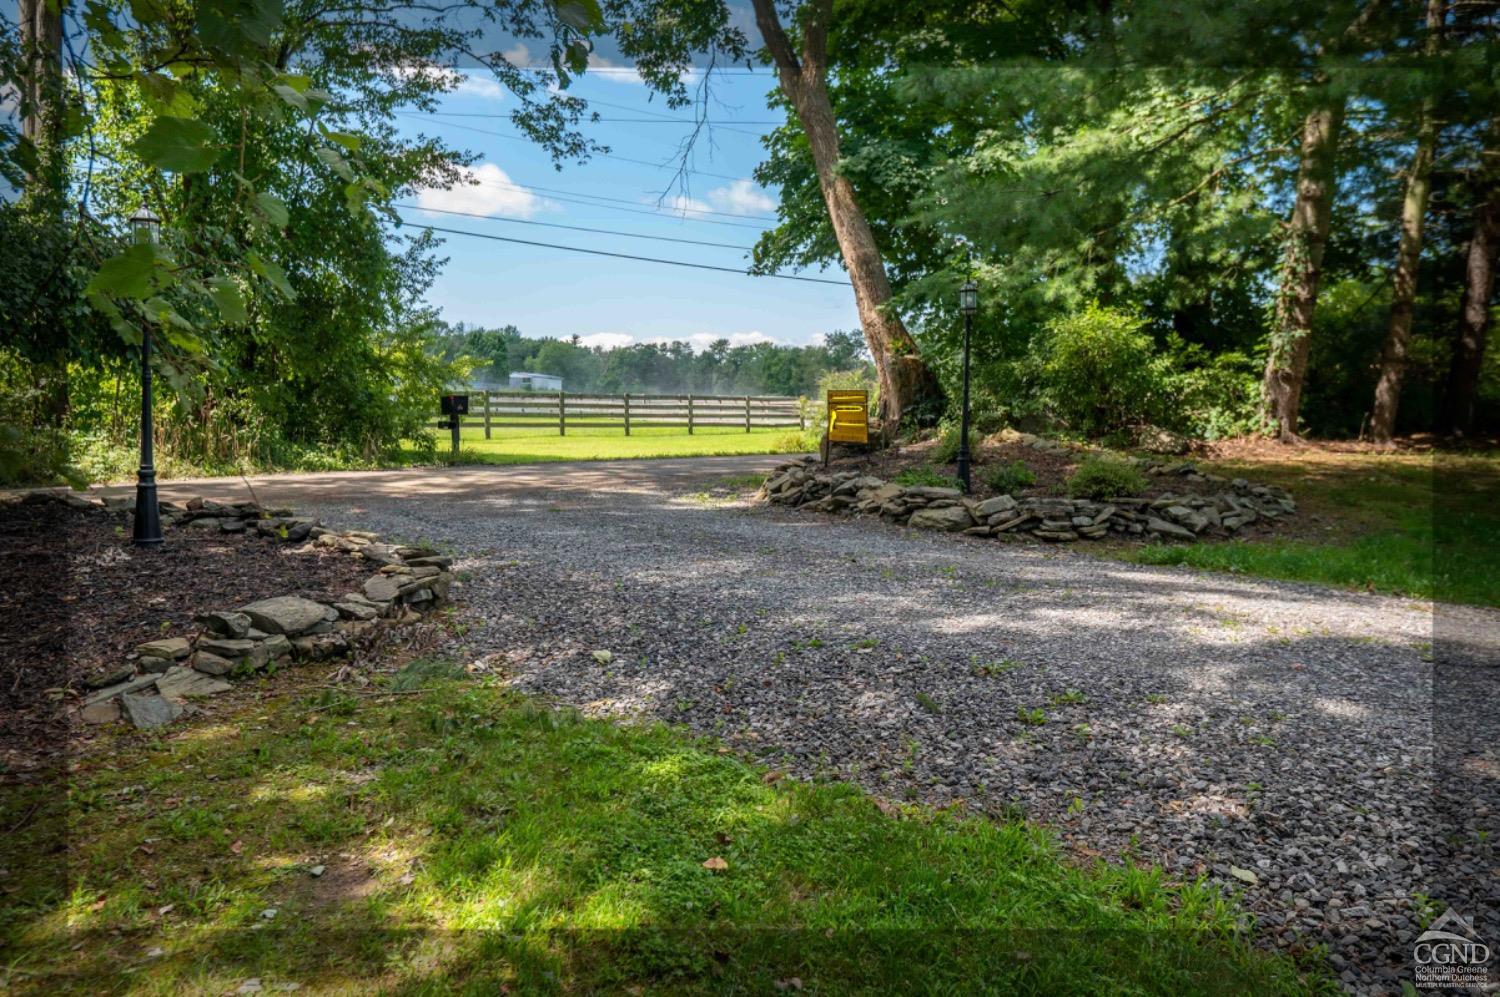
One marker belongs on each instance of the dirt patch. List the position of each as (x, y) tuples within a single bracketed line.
[(76, 596)]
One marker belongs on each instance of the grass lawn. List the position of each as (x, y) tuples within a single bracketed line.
[(1419, 525), (469, 840), (583, 442)]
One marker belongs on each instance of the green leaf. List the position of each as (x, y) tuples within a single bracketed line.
[(182, 145), (290, 96), (227, 298), (580, 15), (348, 140), (273, 208), (335, 159), (296, 82), (271, 272), (126, 275)]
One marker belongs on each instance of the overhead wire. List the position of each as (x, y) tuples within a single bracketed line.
[(624, 256), (602, 155), (575, 228)]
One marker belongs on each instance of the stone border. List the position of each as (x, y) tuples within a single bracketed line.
[(1168, 517), (152, 688)]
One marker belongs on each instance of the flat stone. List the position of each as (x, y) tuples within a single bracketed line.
[(104, 712), (381, 588), (285, 614), (276, 646), (1167, 529), (233, 648), (187, 683), (232, 525), (212, 664), (108, 677), (434, 561), (949, 519), (224, 624), (155, 666), (204, 523), (356, 610), (1002, 524), (139, 682), (993, 506), (172, 648), (930, 492), (149, 710)]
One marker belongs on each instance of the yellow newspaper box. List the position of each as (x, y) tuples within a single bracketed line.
[(848, 417)]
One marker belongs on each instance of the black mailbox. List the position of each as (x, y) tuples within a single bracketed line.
[(455, 404)]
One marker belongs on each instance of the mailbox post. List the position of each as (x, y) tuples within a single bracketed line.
[(455, 407)]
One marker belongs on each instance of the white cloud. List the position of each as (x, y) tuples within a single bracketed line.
[(472, 84), (607, 340), (684, 205), (480, 85), (489, 190), (699, 341), (517, 55), (614, 71), (742, 197)]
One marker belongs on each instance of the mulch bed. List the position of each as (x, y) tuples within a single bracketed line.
[(76, 596)]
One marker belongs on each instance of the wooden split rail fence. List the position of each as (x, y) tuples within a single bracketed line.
[(559, 410)]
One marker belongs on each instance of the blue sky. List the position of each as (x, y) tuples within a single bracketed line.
[(546, 292)]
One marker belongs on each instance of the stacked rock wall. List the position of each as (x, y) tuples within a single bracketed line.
[(1166, 517)]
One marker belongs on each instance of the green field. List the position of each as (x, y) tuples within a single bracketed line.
[(584, 442), (433, 835)]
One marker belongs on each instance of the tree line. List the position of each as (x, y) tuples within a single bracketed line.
[(1305, 193), (1281, 216), (764, 368)]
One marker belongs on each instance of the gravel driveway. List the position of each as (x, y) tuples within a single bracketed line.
[(1278, 738)]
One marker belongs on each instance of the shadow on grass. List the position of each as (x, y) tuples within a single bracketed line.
[(470, 840)]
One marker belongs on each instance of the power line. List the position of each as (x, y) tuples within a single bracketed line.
[(660, 119), (576, 228), (621, 200), (653, 212), (708, 122), (603, 155), (626, 256)]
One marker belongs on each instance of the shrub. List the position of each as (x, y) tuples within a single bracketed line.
[(1100, 372), (1008, 478), (793, 441), (946, 451), (1101, 477), (923, 476)]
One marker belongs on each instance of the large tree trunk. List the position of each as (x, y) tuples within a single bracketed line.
[(41, 86), (1286, 366), (1479, 285), (1408, 253), (904, 378), (41, 89)]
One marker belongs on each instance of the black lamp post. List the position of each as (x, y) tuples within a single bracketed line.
[(145, 226), (968, 303)]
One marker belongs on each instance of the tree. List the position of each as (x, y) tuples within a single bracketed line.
[(1409, 250), (905, 381), (1479, 283), (1301, 270)]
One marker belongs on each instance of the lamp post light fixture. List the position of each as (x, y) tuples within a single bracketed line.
[(146, 228), (968, 303)]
